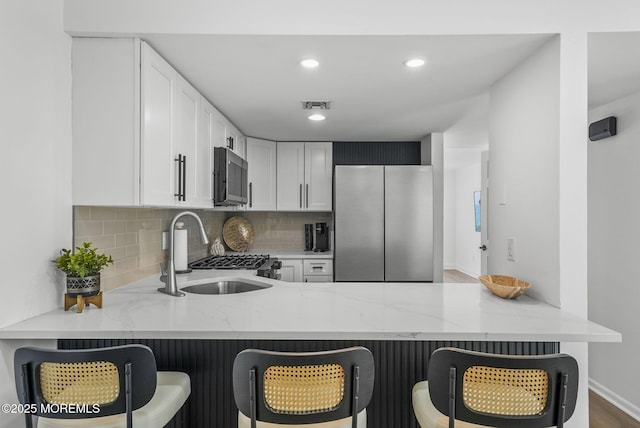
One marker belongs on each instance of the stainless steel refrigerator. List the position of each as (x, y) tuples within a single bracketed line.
[(383, 223)]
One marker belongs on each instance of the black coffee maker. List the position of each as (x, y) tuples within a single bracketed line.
[(321, 238), (308, 237)]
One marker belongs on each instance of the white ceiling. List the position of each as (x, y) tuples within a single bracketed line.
[(257, 83), (614, 66)]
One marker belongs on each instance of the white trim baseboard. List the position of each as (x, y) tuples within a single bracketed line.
[(469, 272), (621, 403)]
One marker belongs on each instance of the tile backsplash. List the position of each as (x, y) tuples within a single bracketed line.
[(133, 236)]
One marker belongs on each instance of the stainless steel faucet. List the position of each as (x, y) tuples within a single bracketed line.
[(171, 286)]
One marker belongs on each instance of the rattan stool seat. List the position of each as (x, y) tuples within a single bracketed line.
[(172, 390), (427, 415)]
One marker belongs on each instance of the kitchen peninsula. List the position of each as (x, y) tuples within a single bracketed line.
[(402, 323), (322, 311)]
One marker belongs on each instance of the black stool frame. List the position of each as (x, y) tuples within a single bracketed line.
[(136, 370), (250, 365), (445, 376)]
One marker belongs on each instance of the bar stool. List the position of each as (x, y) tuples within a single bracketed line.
[(105, 387), (313, 389), (473, 389)]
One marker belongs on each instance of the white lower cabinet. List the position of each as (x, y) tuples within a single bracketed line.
[(291, 270), (307, 270), (318, 278), (318, 270)]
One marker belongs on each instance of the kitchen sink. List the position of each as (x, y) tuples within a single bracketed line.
[(226, 286)]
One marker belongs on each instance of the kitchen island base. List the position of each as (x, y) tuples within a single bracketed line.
[(398, 366)]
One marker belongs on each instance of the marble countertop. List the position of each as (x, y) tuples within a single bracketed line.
[(332, 311)]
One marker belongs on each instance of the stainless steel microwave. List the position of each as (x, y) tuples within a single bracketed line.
[(229, 178)]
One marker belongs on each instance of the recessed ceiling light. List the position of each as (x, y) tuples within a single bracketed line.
[(414, 62), (316, 117), (309, 63)]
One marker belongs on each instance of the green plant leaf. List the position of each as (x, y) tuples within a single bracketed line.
[(85, 261)]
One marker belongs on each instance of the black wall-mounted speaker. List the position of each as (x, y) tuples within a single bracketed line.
[(603, 128)]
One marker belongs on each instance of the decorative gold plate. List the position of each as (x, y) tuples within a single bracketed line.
[(238, 233)]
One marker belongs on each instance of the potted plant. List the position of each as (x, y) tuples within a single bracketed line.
[(83, 269)]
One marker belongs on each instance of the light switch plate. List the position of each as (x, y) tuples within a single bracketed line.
[(511, 249)]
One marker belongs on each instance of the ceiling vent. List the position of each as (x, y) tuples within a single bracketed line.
[(310, 105)]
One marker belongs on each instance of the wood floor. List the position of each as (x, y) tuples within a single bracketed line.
[(452, 275), (602, 414)]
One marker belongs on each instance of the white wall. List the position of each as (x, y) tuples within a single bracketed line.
[(614, 234), (35, 136), (524, 173), (435, 158), (35, 131)]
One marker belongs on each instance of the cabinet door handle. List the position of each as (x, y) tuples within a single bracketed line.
[(250, 195), (184, 178), (300, 195), (307, 195), (181, 160), (213, 187)]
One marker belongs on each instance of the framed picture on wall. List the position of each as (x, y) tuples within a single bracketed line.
[(476, 209)]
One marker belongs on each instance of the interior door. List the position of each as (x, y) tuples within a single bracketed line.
[(484, 213)]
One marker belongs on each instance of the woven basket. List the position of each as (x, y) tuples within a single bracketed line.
[(506, 287)]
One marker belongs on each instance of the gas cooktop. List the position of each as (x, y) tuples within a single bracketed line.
[(232, 261)]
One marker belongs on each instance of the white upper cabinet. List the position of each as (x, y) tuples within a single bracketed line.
[(159, 89), (261, 157), (290, 176), (142, 135), (106, 122), (318, 173), (237, 141), (304, 176), (185, 152), (227, 135), (203, 193)]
